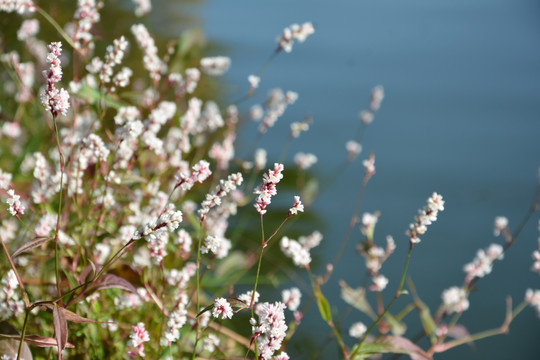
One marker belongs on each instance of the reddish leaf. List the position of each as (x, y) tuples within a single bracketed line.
[(459, 332), (71, 316), (402, 344), (90, 269), (37, 340), (60, 329), (10, 346), (31, 245), (109, 281)]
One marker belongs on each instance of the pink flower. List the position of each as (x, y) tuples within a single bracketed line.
[(15, 206), (223, 308), (297, 206), (379, 283), (138, 337), (268, 188), (369, 165), (270, 330), (425, 217), (56, 101)]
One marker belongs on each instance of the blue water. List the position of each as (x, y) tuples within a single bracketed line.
[(461, 117)]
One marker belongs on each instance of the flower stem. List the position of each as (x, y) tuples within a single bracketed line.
[(21, 342), (398, 293), (56, 26)]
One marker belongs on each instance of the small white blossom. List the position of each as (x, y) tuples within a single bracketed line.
[(222, 308), (357, 330), (455, 299), (215, 66)]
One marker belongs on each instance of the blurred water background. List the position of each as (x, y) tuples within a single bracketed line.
[(460, 117)]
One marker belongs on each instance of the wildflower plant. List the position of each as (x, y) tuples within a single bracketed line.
[(127, 223)]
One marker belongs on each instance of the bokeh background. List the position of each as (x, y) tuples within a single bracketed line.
[(460, 117)]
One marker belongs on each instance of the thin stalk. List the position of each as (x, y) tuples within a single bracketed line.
[(317, 289), (19, 280), (56, 26), (396, 296), (23, 333), (352, 222), (198, 290), (56, 249), (263, 245)]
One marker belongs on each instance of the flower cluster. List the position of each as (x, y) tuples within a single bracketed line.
[(200, 172), (275, 106), (304, 161), (353, 149), (19, 6), (425, 217), (532, 297), (219, 246), (369, 165), (294, 32), (377, 96), (455, 299), (222, 308), (375, 256), (298, 251), (214, 198), (536, 257), (215, 66), (56, 101), (151, 60), (379, 283), (169, 220), (87, 14), (268, 188), (137, 338), (114, 56), (357, 330), (16, 208), (177, 319), (482, 264), (291, 298), (297, 206), (143, 7), (10, 304), (270, 329)]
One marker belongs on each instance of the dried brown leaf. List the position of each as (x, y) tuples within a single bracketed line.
[(60, 329)]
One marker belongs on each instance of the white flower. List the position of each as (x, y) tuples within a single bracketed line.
[(215, 66), (223, 308), (291, 298), (455, 299), (357, 330), (254, 81), (501, 223), (15, 206), (379, 283)]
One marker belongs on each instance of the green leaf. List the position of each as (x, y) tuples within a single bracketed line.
[(427, 321), (369, 349), (357, 299), (397, 327), (93, 96), (324, 306)]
